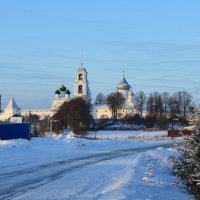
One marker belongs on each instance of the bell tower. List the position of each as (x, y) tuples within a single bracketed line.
[(81, 85)]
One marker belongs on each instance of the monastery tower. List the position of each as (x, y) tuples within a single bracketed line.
[(81, 84)]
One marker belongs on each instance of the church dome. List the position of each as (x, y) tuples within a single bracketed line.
[(68, 92), (57, 92), (63, 88), (123, 85)]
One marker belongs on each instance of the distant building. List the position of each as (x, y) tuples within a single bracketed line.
[(81, 84), (104, 112), (17, 118), (61, 95), (81, 89), (10, 110)]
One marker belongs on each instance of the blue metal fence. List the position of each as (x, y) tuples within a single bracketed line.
[(15, 131)]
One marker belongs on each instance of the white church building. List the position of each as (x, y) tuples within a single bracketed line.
[(104, 112), (81, 89)]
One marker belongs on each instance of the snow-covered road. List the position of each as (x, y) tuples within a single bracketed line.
[(134, 172), (25, 179)]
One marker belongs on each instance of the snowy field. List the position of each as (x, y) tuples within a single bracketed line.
[(129, 135), (62, 168)]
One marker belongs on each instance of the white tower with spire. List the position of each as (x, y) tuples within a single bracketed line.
[(12, 108), (81, 84)]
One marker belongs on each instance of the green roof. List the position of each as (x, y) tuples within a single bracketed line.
[(57, 92), (68, 92), (63, 88)]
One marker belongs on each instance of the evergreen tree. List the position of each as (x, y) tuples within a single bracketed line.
[(187, 166)]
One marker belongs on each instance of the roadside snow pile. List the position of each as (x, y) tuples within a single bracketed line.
[(129, 135), (153, 179), (10, 144), (146, 175), (162, 156)]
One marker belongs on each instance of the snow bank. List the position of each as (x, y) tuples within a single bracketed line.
[(11, 144), (128, 135)]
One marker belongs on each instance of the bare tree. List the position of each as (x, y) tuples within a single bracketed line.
[(115, 101), (76, 114), (187, 100), (100, 99), (184, 100), (140, 101), (34, 120), (155, 104), (174, 109), (179, 101), (165, 100), (173, 106), (150, 104), (158, 104)]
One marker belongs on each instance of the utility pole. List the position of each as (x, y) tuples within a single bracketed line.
[(51, 121)]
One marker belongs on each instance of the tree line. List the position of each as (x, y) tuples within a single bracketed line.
[(159, 103), (158, 107)]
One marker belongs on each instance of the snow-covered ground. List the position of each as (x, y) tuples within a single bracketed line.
[(129, 135), (62, 168)]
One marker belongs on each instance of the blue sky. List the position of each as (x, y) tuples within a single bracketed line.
[(156, 42)]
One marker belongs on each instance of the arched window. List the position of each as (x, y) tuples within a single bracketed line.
[(80, 89), (80, 77)]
